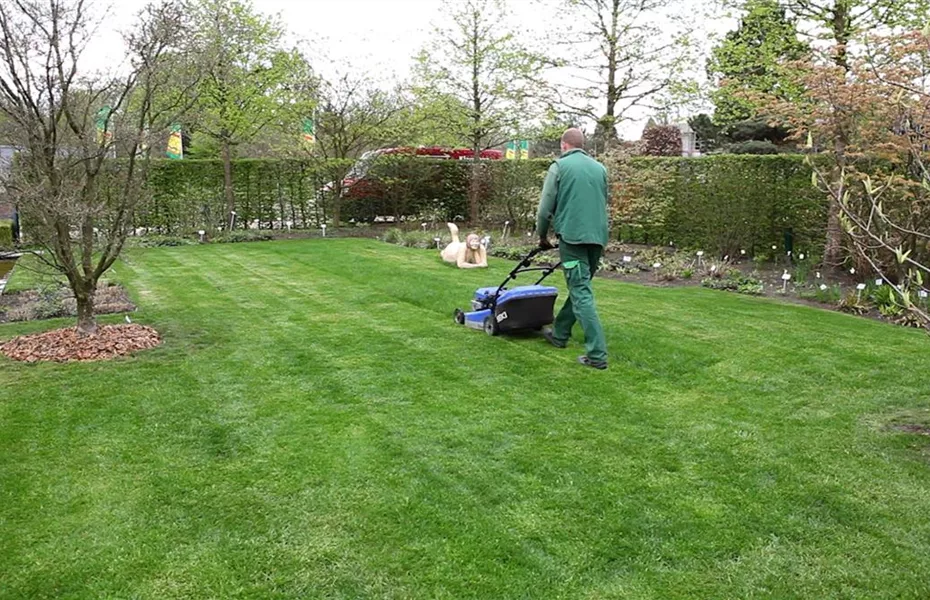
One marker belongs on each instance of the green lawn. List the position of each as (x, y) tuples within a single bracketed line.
[(315, 426)]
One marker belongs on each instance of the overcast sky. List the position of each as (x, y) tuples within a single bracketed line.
[(377, 36)]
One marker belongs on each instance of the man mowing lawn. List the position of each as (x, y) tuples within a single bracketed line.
[(574, 202)]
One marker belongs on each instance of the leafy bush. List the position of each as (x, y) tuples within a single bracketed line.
[(721, 203), (735, 282), (160, 241), (832, 294), (886, 301), (662, 140), (6, 234), (393, 236), (753, 147), (247, 235)]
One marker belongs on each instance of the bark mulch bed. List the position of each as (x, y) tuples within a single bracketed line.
[(65, 345)]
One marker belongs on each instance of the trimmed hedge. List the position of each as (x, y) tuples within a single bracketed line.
[(6, 234), (189, 195), (720, 203)]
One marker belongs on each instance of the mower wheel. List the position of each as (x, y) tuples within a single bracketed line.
[(459, 316), (490, 325)]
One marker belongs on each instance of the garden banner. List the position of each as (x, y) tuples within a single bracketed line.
[(309, 133), (175, 143), (103, 135), (511, 151), (525, 150)]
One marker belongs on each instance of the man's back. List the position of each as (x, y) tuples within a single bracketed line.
[(581, 203)]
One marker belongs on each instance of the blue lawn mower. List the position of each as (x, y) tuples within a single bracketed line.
[(522, 308)]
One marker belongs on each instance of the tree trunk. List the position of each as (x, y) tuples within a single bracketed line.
[(86, 321), (833, 249), (228, 183), (474, 192), (337, 204)]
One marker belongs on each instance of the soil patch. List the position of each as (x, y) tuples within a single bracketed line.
[(913, 428), (65, 345)]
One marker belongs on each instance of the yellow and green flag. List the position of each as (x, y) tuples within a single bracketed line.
[(309, 132), (104, 135), (511, 152), (175, 143), (524, 150)]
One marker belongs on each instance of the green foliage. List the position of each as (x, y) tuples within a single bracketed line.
[(479, 68), (187, 195), (753, 147), (721, 204), (734, 281), (831, 294), (752, 59), (242, 235), (886, 300), (159, 241), (248, 75), (707, 132), (662, 140), (6, 234)]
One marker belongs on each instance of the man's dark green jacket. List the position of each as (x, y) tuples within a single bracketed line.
[(574, 200)]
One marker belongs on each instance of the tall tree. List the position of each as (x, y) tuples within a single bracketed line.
[(844, 25), (880, 107), (755, 57), (615, 56), (353, 116), (246, 73), (70, 124), (480, 64)]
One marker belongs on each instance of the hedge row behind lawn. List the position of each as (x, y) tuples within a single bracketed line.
[(725, 203), (719, 203)]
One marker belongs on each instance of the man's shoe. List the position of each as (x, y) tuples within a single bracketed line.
[(547, 333), (596, 364)]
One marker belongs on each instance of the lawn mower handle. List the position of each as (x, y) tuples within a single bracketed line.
[(524, 267)]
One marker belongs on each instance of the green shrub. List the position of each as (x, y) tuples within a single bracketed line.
[(721, 203), (753, 147), (160, 241), (393, 236), (6, 234), (238, 235), (829, 294), (735, 282)]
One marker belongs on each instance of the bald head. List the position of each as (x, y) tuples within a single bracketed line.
[(573, 138)]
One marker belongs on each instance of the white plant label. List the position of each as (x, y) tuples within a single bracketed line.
[(786, 276), (627, 259), (743, 252), (879, 282), (818, 274), (852, 271), (922, 293), (801, 256), (860, 287), (823, 287), (700, 253), (713, 269), (657, 265)]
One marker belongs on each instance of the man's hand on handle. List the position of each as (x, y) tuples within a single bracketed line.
[(544, 243)]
